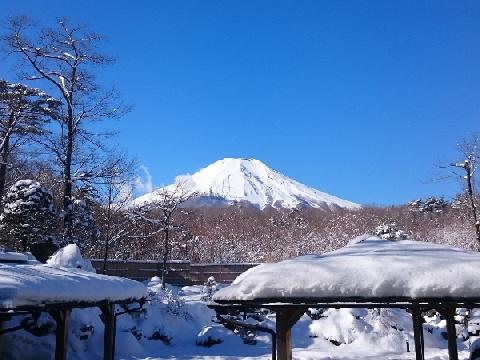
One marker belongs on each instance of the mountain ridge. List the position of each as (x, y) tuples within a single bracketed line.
[(232, 180)]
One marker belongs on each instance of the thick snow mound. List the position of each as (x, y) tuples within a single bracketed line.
[(11, 256), (39, 284), (370, 268), (250, 180), (69, 256)]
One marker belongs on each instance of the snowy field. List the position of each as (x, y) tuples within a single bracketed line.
[(176, 321)]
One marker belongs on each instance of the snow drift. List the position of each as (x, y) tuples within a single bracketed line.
[(69, 256)]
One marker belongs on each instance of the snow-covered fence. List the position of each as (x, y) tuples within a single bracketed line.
[(179, 272)]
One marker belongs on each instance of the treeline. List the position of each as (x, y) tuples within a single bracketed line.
[(246, 234)]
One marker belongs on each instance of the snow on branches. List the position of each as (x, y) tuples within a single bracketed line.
[(431, 204), (28, 213), (390, 232)]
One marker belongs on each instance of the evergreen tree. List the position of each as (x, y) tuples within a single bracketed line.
[(28, 214), (24, 114), (390, 232), (429, 205)]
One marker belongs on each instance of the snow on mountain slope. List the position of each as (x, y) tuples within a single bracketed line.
[(249, 180)]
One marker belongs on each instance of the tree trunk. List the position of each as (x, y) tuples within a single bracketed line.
[(471, 196), (67, 182), (5, 155), (165, 257), (3, 166), (107, 230)]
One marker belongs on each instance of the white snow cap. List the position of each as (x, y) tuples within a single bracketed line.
[(368, 267), (250, 180)]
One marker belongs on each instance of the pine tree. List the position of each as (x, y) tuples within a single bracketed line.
[(28, 214), (430, 205), (390, 232), (24, 114)]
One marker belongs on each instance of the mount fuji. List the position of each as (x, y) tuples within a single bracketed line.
[(251, 182)]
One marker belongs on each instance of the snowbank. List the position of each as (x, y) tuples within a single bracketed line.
[(368, 267), (69, 256), (39, 284)]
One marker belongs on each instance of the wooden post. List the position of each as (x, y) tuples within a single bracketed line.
[(2, 321), (418, 333), (286, 318), (61, 334), (284, 346), (108, 311), (451, 333)]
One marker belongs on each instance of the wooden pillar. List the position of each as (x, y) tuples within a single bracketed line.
[(449, 315), (418, 334), (2, 321), (285, 319), (108, 311), (61, 334), (284, 338)]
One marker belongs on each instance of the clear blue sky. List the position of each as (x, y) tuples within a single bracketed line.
[(357, 98)]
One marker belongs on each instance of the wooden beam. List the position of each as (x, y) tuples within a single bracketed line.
[(449, 315), (418, 334), (61, 334), (109, 319), (285, 319)]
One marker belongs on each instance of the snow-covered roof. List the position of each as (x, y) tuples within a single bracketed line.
[(368, 268), (22, 285), (11, 256)]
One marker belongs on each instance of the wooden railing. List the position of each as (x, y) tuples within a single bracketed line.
[(179, 273)]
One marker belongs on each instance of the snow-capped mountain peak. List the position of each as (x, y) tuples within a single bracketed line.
[(250, 180)]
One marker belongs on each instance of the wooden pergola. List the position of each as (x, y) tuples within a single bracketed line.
[(369, 272), (31, 289), (289, 310), (60, 312)]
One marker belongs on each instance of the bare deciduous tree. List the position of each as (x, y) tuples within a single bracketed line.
[(64, 59), (159, 214), (116, 194), (470, 152)]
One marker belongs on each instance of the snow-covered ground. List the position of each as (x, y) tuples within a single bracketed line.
[(176, 321)]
